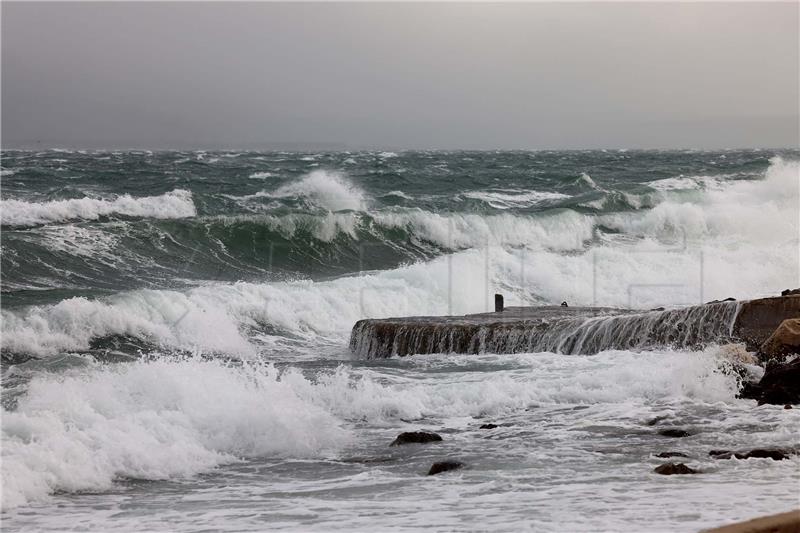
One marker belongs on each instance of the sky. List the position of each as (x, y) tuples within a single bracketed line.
[(400, 76)]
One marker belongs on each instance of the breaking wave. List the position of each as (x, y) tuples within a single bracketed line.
[(323, 189), (174, 204), (167, 418), (88, 427)]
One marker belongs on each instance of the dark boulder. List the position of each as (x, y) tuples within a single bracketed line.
[(444, 466), (779, 386), (415, 437), (489, 426), (759, 453), (667, 455), (674, 433), (670, 469), (790, 292)]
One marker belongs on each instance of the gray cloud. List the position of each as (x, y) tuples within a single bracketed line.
[(545, 75)]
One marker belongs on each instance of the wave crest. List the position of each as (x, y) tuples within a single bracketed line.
[(174, 204)]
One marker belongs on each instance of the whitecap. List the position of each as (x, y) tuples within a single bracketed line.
[(174, 204)]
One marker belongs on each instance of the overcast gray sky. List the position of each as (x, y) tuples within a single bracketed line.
[(172, 75)]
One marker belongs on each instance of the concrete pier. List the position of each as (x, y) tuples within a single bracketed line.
[(574, 330)]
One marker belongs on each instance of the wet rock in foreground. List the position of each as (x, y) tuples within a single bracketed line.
[(779, 386), (776, 454), (671, 469), (667, 455), (674, 433), (444, 466), (415, 437), (785, 340)]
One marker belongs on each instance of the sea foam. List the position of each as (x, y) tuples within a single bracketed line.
[(84, 429), (168, 418), (174, 204)]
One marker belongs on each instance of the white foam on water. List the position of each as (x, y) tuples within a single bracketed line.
[(399, 194), (77, 240), (261, 175), (750, 213), (741, 242), (675, 184), (174, 204), (511, 199), (7, 172), (86, 428), (217, 318), (613, 377), (164, 418), (325, 189), (586, 179), (565, 230)]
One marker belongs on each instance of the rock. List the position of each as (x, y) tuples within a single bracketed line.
[(790, 292), (775, 455), (767, 453), (564, 304), (656, 420), (785, 340), (667, 455), (489, 426), (669, 469), (444, 466), (779, 386), (728, 299), (415, 437), (674, 433), (787, 406), (757, 319)]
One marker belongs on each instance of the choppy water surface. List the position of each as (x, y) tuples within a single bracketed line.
[(175, 331)]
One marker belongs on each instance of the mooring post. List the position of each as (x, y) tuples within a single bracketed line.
[(498, 303)]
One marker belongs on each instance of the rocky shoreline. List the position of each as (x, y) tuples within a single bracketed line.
[(768, 329)]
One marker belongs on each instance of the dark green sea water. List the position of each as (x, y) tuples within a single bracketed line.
[(175, 326)]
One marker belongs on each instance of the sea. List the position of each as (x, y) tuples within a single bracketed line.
[(175, 332)]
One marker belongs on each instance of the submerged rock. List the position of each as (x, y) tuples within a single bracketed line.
[(785, 340), (674, 433), (415, 437), (779, 386), (444, 466), (667, 455), (656, 420), (670, 469), (489, 426)]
